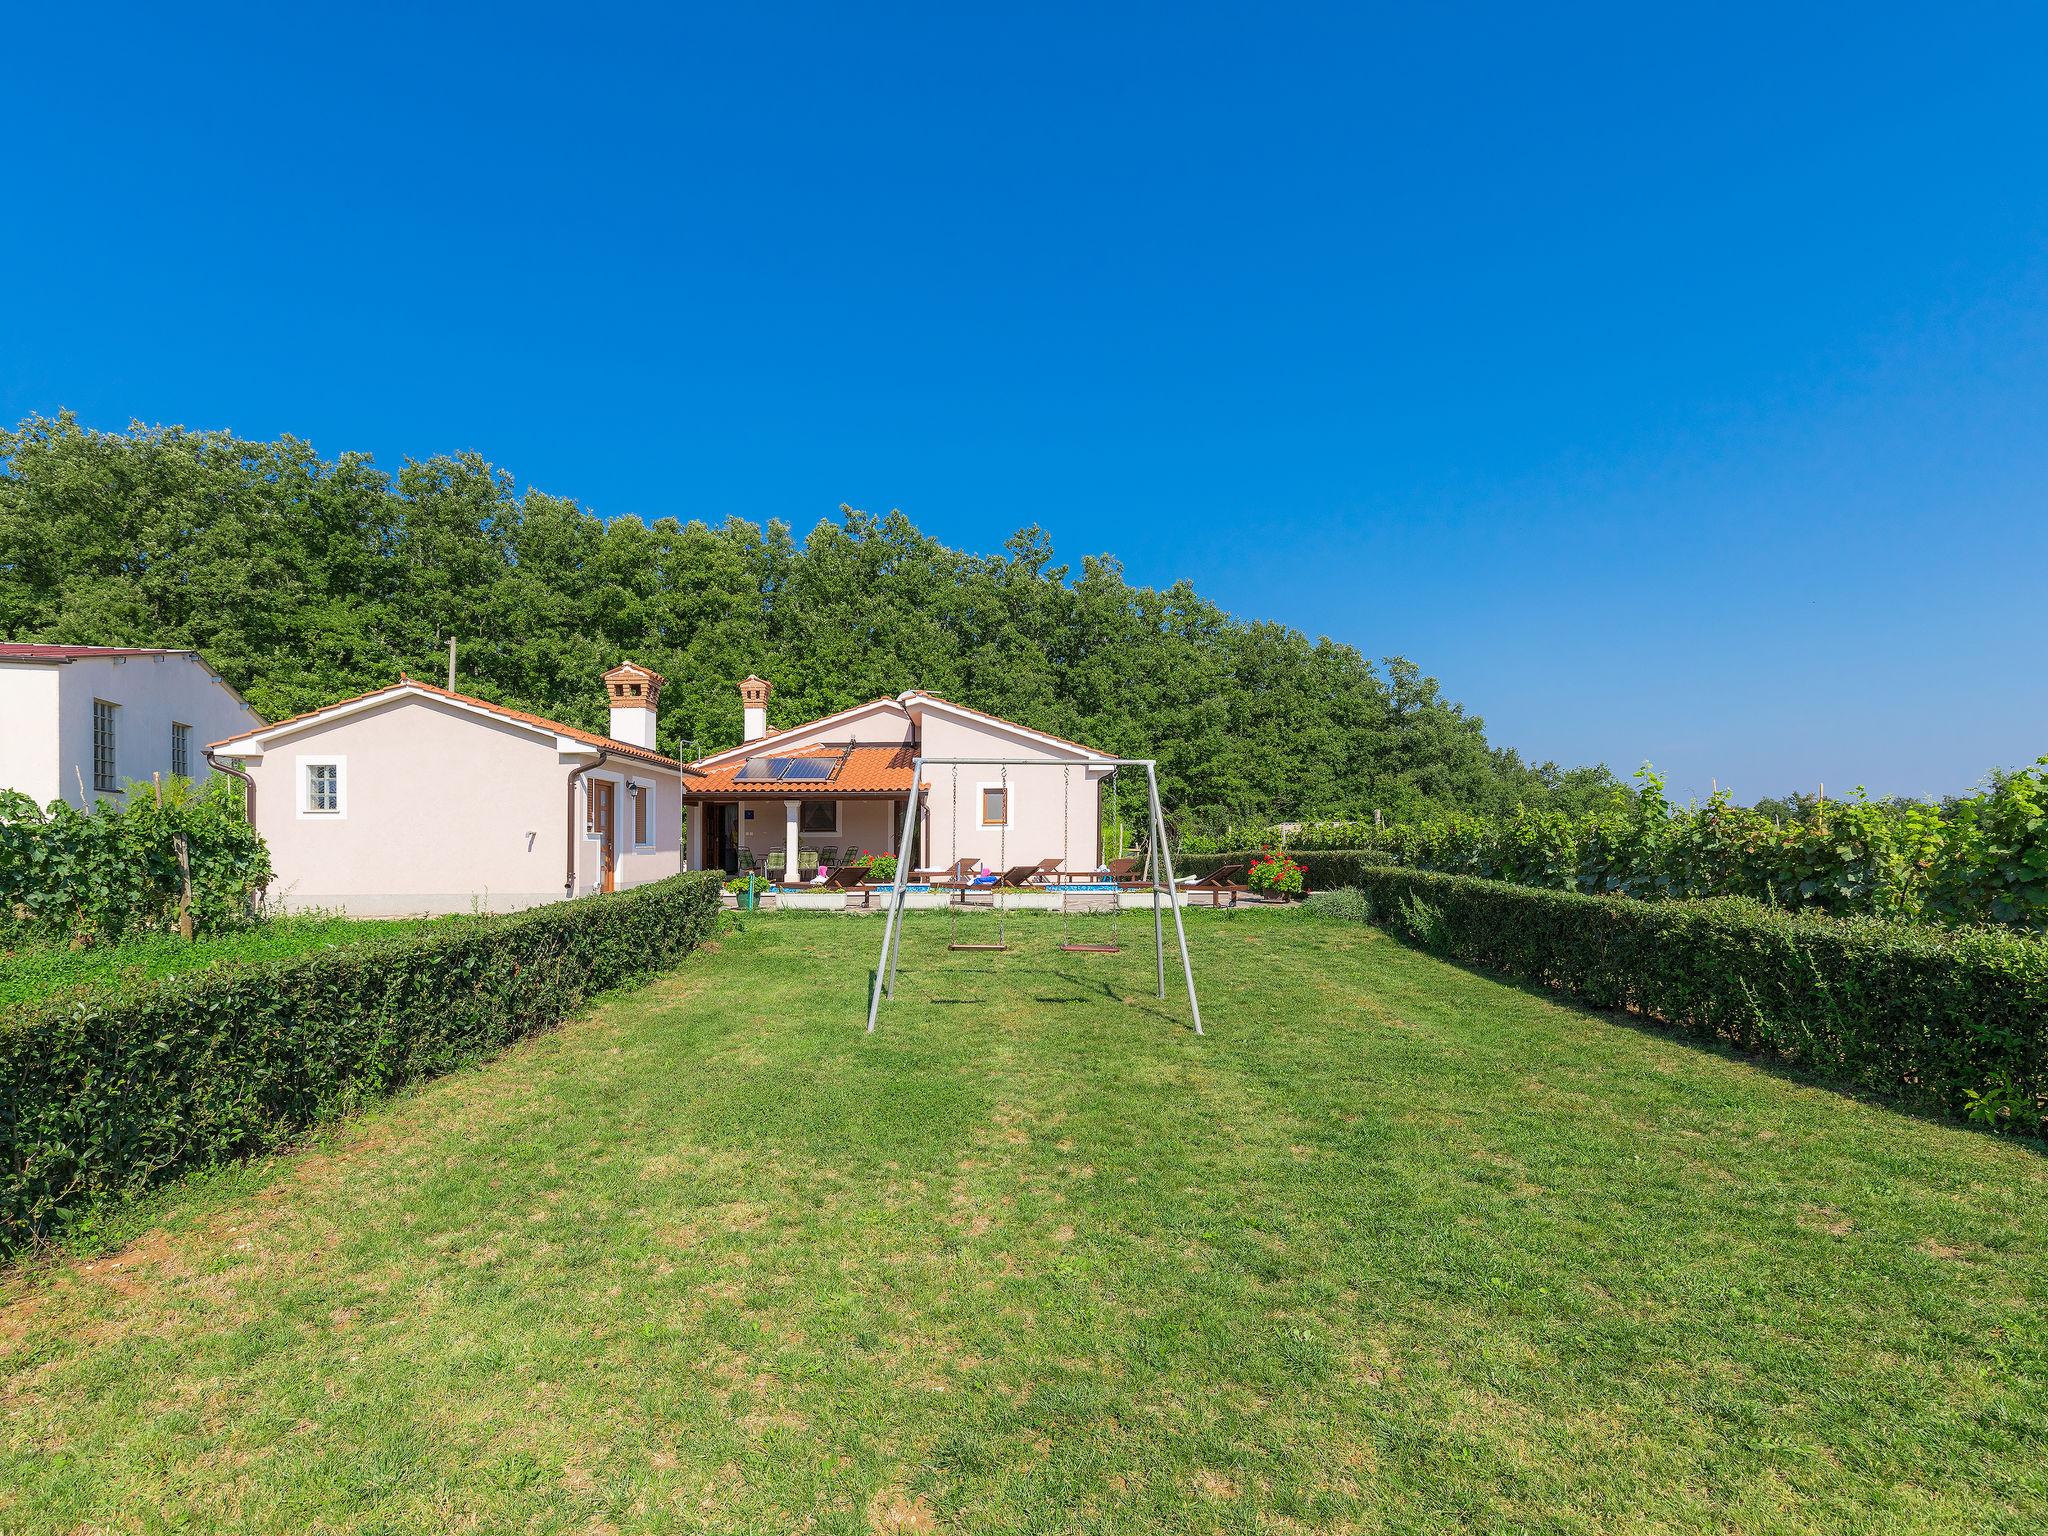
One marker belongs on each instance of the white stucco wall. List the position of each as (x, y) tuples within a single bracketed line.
[(444, 810), (1035, 830), (46, 720), (891, 723), (28, 731), (634, 865)]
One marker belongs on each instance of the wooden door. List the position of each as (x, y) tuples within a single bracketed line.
[(602, 806)]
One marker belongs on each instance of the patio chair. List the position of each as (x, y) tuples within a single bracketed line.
[(828, 856), (773, 868), (844, 878), (1017, 876), (959, 872), (1218, 883), (806, 863), (1121, 873), (747, 864)]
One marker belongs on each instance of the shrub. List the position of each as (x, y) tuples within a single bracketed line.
[(881, 867), (1347, 904), (113, 872), (1981, 858), (102, 1098), (1952, 1020)]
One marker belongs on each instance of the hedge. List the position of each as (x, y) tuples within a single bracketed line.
[(1949, 1020), (102, 1098)]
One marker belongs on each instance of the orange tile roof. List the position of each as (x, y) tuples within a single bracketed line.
[(871, 768), (589, 738)]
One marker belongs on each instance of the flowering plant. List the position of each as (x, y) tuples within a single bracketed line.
[(880, 866), (1275, 874)]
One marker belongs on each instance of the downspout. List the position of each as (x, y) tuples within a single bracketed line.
[(575, 775), (248, 784), (248, 801)]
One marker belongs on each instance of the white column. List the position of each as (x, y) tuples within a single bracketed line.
[(792, 870)]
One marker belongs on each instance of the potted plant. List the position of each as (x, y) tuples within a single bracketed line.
[(1275, 874)]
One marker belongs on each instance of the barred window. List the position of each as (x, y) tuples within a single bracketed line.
[(103, 768), (323, 787), (181, 749)]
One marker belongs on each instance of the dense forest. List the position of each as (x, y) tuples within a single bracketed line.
[(305, 579)]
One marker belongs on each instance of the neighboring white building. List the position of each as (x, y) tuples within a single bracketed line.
[(415, 800), (81, 722)]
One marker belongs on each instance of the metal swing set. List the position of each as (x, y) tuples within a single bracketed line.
[(1158, 868)]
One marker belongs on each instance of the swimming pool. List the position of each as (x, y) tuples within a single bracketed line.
[(1099, 887)]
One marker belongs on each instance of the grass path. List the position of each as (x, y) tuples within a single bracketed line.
[(1396, 1248)]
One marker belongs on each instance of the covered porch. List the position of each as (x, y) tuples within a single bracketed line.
[(791, 812), (790, 832)]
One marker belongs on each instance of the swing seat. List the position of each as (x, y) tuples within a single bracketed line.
[(977, 946), (1092, 949)]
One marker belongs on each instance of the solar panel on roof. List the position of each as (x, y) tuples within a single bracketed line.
[(806, 767), (758, 768)]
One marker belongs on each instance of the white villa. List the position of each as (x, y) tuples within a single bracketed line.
[(81, 723), (840, 785)]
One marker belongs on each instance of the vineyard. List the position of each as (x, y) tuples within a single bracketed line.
[(1978, 859), (123, 870)]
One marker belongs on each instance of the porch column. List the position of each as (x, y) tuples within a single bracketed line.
[(792, 868)]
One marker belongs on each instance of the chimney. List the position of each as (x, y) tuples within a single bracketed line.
[(634, 692), (754, 693)]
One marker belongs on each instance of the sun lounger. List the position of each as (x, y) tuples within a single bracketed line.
[(1018, 876), (1218, 884)]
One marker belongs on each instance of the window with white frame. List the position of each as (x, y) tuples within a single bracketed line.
[(995, 805), (103, 766), (181, 749), (323, 787), (819, 816)]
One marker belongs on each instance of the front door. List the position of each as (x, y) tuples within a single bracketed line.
[(729, 839), (601, 807)]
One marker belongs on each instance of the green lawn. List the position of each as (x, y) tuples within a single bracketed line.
[(1395, 1248), (37, 971)]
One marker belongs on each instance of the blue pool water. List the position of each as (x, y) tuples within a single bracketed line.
[(1099, 887)]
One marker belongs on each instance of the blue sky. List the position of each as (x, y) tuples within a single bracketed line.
[(1673, 386)]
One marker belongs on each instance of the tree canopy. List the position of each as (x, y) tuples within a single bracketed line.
[(305, 579)]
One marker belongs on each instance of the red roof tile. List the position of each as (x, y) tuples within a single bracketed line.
[(413, 684), (870, 768)]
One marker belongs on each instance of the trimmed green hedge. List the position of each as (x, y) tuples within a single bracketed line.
[(1951, 1020), (103, 1098), (1327, 869)]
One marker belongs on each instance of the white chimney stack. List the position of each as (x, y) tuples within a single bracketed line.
[(634, 692), (754, 693)]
